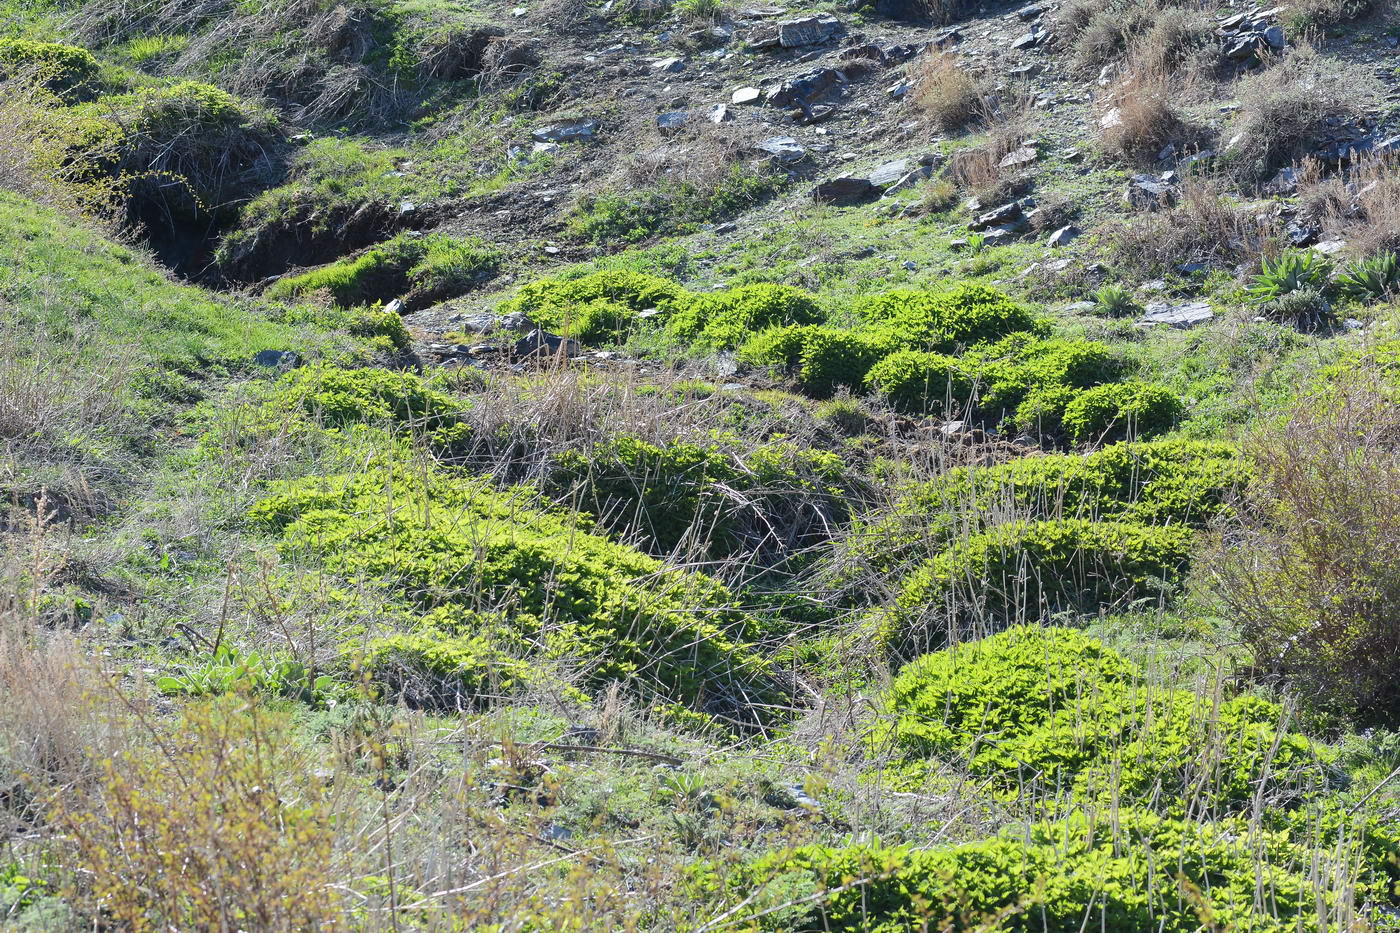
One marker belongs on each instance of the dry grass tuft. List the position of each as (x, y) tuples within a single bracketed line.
[(1139, 120), (949, 93), (1312, 570)]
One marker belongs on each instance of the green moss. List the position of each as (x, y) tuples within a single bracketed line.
[(1028, 570), (420, 269), (966, 315), (684, 493), (438, 542), (1110, 412), (1151, 482)]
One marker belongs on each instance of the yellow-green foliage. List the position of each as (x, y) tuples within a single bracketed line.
[(728, 318), (919, 380), (223, 826), (1028, 570), (1067, 711), (1029, 380), (422, 269), (1151, 482), (1126, 409), (1134, 872), (442, 542), (345, 396), (965, 315), (681, 491), (63, 69), (597, 306)]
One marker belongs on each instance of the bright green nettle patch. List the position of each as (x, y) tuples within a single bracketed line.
[(596, 307), (1052, 707), (63, 69), (1137, 871), (779, 497), (442, 542), (1149, 482), (968, 314), (728, 318), (1125, 409), (421, 269), (919, 381), (1028, 570)]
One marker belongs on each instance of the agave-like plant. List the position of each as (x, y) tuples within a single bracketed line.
[(1114, 300), (1290, 272), (1371, 279)]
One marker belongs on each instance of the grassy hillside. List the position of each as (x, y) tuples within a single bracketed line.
[(479, 467)]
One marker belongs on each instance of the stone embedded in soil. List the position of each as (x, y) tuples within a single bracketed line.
[(565, 131), (843, 191)]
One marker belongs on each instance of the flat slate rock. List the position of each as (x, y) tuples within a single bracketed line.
[(1182, 316)]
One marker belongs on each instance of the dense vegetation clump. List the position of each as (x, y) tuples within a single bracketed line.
[(455, 545), (1065, 710), (1025, 571), (64, 69), (1064, 876), (418, 269)]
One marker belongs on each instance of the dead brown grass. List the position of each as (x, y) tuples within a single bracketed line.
[(949, 93), (1311, 569), (1138, 120)]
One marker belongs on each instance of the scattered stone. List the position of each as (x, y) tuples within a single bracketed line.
[(783, 148), (545, 149), (1180, 316), (1300, 235), (277, 359), (1005, 214), (1018, 158), (566, 131), (672, 122), (1063, 236), (843, 191), (1330, 247), (1147, 192), (668, 65), (889, 173), (804, 87), (900, 90), (542, 343), (720, 113), (810, 30), (745, 95), (1029, 41)]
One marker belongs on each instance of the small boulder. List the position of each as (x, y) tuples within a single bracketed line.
[(745, 95), (783, 148), (1064, 236), (843, 191), (810, 30), (565, 131)]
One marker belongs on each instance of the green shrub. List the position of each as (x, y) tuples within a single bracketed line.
[(918, 381), (726, 319), (597, 305), (420, 269), (1124, 409), (1023, 365), (434, 669), (966, 315), (1151, 482), (686, 493), (340, 397), (1070, 713), (832, 359), (444, 543), (63, 69), (1028, 570), (778, 346), (1135, 871)]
